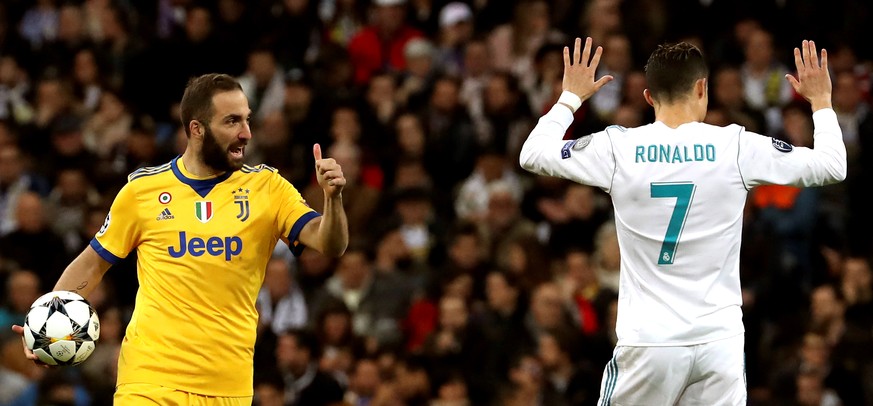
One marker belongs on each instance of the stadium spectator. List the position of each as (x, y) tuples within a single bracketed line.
[(15, 83), (280, 303), (380, 44), (22, 289), (377, 301), (15, 180), (455, 32), (763, 78), (297, 354), (263, 83), (727, 93), (27, 244), (451, 145), (514, 43), (583, 211), (364, 383), (492, 167), (573, 382)]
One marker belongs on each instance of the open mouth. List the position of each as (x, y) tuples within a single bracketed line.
[(237, 152)]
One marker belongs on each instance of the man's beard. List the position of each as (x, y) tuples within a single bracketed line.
[(216, 157)]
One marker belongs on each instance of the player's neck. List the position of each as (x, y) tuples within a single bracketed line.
[(676, 114), (195, 166)]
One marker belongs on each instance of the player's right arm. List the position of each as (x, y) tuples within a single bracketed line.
[(84, 273), (545, 152), (117, 237), (81, 276), (766, 161)]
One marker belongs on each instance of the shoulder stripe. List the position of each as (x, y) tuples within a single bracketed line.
[(256, 169), (151, 168), (148, 171)]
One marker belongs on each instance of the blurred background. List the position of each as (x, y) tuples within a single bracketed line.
[(467, 281)]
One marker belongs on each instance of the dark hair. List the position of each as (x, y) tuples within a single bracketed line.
[(672, 70), (512, 279), (566, 341), (197, 100), (798, 106), (463, 227), (306, 340)]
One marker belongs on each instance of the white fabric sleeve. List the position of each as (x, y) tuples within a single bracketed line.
[(764, 160), (588, 160)]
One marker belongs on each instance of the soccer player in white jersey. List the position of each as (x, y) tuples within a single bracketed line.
[(678, 187)]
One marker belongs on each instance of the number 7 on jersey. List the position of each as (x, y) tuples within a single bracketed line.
[(684, 193)]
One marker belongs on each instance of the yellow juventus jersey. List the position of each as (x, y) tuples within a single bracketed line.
[(202, 246)]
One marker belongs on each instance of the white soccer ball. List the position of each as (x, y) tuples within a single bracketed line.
[(61, 328)]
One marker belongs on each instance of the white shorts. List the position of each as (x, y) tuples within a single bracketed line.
[(707, 374)]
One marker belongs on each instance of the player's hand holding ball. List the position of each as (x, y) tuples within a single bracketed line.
[(329, 173), (61, 328)]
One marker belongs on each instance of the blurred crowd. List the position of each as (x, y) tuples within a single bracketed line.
[(467, 281)]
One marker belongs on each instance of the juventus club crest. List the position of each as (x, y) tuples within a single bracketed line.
[(241, 199), (203, 210)]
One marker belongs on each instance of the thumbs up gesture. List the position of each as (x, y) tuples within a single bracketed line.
[(329, 173)]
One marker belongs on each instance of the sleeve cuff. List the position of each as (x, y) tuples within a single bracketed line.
[(570, 99), (561, 115), (295, 245), (825, 115), (825, 120), (103, 252)]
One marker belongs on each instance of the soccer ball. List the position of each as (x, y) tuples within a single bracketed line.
[(61, 328)]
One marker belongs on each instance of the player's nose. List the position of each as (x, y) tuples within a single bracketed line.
[(246, 133)]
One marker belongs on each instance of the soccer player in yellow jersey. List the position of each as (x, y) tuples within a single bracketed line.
[(204, 226)]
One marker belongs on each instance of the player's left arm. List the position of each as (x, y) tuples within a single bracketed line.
[(783, 164), (329, 233)]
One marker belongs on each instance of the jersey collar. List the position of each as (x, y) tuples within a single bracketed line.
[(201, 186)]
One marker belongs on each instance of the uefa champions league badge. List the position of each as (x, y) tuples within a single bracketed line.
[(782, 146)]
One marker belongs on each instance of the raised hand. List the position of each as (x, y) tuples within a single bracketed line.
[(329, 173), (579, 71), (812, 81)]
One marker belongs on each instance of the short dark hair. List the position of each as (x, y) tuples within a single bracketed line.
[(672, 70), (306, 340), (197, 100)]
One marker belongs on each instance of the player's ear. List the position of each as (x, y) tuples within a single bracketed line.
[(196, 128), (648, 96), (700, 88)]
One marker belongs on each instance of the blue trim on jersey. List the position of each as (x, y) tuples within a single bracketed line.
[(103, 252), (297, 249), (201, 186)]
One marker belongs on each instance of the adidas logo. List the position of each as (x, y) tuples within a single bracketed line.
[(165, 215)]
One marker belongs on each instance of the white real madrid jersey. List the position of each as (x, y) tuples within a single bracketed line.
[(678, 196)]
